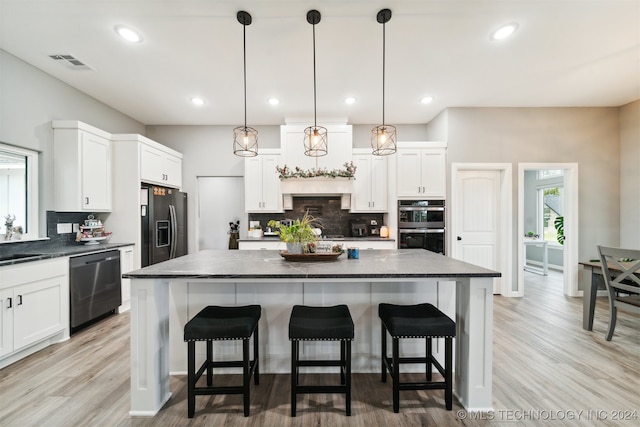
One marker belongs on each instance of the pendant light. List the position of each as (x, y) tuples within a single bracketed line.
[(245, 139), (315, 137), (383, 138)]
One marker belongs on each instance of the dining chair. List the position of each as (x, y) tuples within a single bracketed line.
[(621, 272)]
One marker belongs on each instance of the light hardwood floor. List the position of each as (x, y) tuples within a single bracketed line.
[(546, 369)]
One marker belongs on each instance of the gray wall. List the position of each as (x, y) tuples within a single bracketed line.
[(31, 99), (630, 175), (587, 136)]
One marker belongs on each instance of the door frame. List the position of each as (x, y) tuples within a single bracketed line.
[(505, 238), (570, 207)]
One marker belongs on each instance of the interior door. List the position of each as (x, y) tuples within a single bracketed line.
[(476, 217)]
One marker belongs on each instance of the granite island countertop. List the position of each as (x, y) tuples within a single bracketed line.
[(379, 264)]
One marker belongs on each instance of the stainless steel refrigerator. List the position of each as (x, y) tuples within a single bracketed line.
[(163, 212)]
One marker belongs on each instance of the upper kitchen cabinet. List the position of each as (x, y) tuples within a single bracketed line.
[(81, 167), (370, 186), (339, 144), (160, 165), (261, 182), (421, 170)]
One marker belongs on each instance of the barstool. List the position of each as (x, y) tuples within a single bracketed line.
[(321, 324), (215, 323), (417, 321)]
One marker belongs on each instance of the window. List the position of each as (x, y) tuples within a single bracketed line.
[(550, 207)]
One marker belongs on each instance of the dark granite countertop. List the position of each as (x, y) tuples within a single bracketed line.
[(379, 264), (46, 251), (327, 239)]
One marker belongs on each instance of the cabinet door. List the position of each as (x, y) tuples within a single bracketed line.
[(433, 172), (379, 184), (6, 321), (409, 179), (126, 265), (38, 311), (253, 184), (151, 165), (173, 170), (361, 196), (96, 172), (271, 195)]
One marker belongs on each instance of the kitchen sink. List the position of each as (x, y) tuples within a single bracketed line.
[(12, 257)]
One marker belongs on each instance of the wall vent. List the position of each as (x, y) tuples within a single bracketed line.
[(70, 62)]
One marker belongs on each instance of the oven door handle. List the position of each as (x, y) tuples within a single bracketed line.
[(420, 208), (421, 230)]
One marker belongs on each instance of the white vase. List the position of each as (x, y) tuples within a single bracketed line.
[(294, 247)]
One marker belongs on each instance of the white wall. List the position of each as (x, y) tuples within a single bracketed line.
[(30, 99), (587, 136), (630, 175)]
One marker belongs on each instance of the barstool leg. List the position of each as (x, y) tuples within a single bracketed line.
[(429, 367), (383, 344), (448, 369), (191, 383), (342, 361), (256, 358), (294, 375), (348, 375), (246, 377), (209, 362), (395, 374)]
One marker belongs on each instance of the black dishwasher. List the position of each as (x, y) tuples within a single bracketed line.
[(94, 286)]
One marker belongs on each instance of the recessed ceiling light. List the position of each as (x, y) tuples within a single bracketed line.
[(274, 101), (427, 100), (128, 34), (504, 31), (350, 100), (197, 101)]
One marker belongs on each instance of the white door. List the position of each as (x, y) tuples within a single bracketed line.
[(220, 201), (476, 218)]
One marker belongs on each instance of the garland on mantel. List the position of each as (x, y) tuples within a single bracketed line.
[(349, 171)]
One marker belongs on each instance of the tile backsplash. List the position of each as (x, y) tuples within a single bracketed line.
[(327, 209)]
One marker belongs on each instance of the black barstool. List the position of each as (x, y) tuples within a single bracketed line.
[(215, 323), (321, 324), (417, 321)]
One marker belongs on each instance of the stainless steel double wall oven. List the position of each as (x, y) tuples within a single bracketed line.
[(421, 225)]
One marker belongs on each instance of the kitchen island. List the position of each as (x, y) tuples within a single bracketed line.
[(164, 296)]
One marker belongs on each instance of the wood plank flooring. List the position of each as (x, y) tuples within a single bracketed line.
[(546, 369)]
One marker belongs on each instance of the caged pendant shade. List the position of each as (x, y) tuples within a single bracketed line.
[(383, 137), (315, 137), (245, 139)]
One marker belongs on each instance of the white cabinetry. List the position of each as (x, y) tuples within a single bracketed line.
[(261, 183), (81, 167), (339, 144), (160, 165), (35, 306), (370, 186), (421, 172), (126, 265)]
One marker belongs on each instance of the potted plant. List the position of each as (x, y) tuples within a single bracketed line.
[(298, 235)]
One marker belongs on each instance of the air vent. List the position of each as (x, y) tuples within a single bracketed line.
[(70, 62)]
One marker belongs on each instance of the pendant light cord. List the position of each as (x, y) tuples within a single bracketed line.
[(315, 123), (244, 49), (383, 67)]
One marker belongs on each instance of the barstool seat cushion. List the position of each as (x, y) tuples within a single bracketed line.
[(420, 320), (321, 323), (222, 323)]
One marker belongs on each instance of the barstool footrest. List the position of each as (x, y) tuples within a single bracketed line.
[(308, 389), (320, 363), (429, 385)]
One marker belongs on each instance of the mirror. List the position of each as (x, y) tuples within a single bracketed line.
[(18, 193)]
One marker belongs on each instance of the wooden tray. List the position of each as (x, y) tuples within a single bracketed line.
[(310, 257)]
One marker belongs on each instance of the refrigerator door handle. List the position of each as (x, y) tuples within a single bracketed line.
[(174, 230)]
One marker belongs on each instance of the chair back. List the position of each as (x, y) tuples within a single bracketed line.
[(621, 269)]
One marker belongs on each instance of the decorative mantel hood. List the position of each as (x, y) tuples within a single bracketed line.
[(316, 186)]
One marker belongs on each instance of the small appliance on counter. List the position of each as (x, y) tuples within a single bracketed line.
[(358, 229), (374, 229)]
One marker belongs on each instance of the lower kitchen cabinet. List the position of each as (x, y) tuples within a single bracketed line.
[(273, 244), (35, 307)]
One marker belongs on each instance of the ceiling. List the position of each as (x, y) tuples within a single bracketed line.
[(565, 53)]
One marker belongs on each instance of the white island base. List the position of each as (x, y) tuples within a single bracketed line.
[(160, 306)]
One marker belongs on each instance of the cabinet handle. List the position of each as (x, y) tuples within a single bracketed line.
[(19, 299), (423, 190), (10, 302), (86, 200), (418, 188)]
